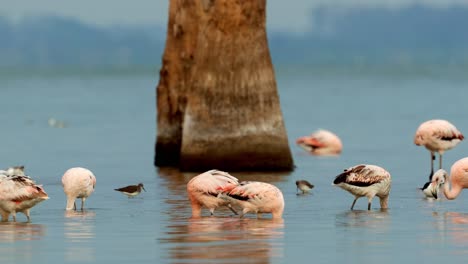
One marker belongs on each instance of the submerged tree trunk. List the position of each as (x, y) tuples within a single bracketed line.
[(217, 101)]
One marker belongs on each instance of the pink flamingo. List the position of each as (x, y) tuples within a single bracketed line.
[(458, 179), (257, 197), (366, 180), (78, 183), (321, 142), (203, 191), (437, 136), (19, 193)]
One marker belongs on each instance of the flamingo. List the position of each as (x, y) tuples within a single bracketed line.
[(458, 179), (203, 191), (78, 183), (366, 180), (257, 197), (15, 170), (19, 193), (321, 142), (431, 188), (131, 190), (304, 186), (437, 136)]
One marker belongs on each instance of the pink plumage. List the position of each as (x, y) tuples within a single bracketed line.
[(437, 136), (321, 142), (78, 183), (257, 197), (458, 179), (18, 193), (203, 190)]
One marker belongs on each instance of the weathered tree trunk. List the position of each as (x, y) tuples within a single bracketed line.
[(217, 101)]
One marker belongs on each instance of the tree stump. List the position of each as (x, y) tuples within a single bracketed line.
[(217, 101)]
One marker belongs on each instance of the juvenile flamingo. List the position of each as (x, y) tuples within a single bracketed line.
[(321, 142), (431, 188), (458, 179), (257, 197), (203, 191), (19, 193), (437, 136), (78, 183), (366, 180)]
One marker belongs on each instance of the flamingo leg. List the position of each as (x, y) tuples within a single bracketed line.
[(432, 166), (354, 202), (14, 216), (440, 161), (82, 203), (369, 205), (232, 209)]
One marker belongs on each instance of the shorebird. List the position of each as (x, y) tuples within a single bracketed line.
[(437, 136), (257, 197), (304, 186), (203, 191), (458, 179), (78, 183), (366, 180), (431, 188), (321, 142), (131, 190), (19, 193)]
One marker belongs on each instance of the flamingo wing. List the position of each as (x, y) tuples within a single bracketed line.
[(18, 188), (361, 175)]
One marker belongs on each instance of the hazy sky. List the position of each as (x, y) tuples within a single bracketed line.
[(281, 16)]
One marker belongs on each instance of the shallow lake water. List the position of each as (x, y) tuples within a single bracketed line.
[(109, 127)]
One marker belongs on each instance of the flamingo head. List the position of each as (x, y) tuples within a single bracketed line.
[(439, 177)]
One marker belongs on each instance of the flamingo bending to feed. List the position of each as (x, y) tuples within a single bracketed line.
[(321, 142), (203, 191), (437, 136), (431, 188), (458, 179), (19, 193), (78, 183), (257, 197), (366, 180)]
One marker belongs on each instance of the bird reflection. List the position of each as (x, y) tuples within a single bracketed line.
[(79, 229), (20, 231), (226, 238), (363, 218)]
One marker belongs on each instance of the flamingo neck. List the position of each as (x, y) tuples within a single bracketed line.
[(196, 210), (453, 192)]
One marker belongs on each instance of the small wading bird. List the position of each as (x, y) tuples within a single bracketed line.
[(366, 180), (131, 190), (431, 188), (256, 197), (203, 191), (18, 193), (458, 179), (321, 142), (304, 186), (78, 183), (437, 136)]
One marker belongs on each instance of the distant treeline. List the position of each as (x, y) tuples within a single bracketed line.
[(407, 36)]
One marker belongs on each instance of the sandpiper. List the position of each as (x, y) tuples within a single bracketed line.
[(131, 190), (304, 186)]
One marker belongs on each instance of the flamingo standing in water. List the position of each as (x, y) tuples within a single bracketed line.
[(458, 179), (257, 197), (18, 193), (431, 188), (321, 142), (203, 191), (78, 183), (437, 136), (366, 180)]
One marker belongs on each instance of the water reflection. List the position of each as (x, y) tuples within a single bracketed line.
[(79, 231), (363, 218), (226, 240), (10, 233)]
